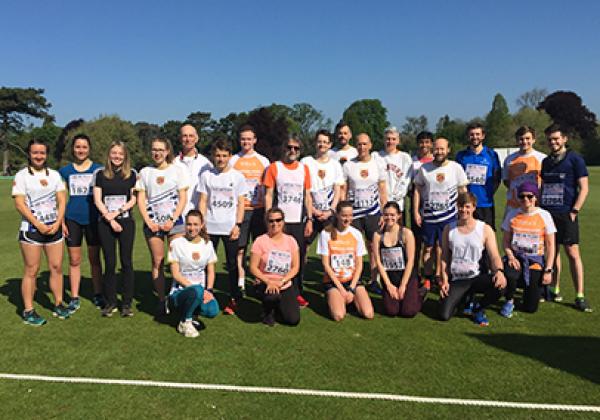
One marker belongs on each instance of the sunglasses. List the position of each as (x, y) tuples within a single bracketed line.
[(276, 220), (528, 196), (290, 147)]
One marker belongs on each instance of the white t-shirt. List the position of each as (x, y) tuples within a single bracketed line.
[(343, 156), (398, 169), (40, 191), (223, 190), (162, 191), (194, 166), (192, 259), (323, 177), (363, 185), (439, 190)]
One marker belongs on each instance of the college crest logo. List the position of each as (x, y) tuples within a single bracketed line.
[(160, 180), (321, 173), (364, 173), (440, 177), (44, 182), (195, 256)]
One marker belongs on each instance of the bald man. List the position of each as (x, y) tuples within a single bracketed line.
[(193, 162), (437, 185)]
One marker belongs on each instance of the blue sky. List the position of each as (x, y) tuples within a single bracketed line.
[(156, 60)]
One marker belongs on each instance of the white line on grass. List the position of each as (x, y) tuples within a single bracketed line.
[(307, 392)]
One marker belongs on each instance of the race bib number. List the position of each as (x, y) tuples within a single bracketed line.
[(343, 264), (45, 209), (476, 174), (553, 194), (321, 199), (438, 201), (365, 197), (392, 258), (252, 186), (194, 275), (115, 202), (80, 184), (222, 198), (161, 211), (462, 269), (278, 262), (289, 193), (527, 243)]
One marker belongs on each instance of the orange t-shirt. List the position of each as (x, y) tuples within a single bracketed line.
[(342, 252), (519, 168), (253, 168)]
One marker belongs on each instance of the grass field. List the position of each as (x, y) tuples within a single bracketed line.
[(548, 357)]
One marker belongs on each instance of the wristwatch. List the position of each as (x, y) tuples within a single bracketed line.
[(574, 210), (548, 270)]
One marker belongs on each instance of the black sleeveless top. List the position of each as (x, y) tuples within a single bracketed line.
[(393, 258)]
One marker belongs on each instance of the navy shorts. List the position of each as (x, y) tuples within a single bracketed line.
[(432, 232), (177, 229), (368, 225)]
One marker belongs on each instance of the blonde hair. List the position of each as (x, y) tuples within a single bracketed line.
[(109, 169)]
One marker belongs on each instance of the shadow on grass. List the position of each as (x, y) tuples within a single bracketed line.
[(12, 290), (574, 355)]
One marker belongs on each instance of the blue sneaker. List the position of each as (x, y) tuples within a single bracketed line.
[(74, 305), (507, 309), (32, 318), (373, 287), (61, 312), (99, 301), (480, 318), (468, 311)]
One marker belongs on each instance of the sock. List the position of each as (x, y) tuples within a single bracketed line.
[(580, 296), (555, 290)]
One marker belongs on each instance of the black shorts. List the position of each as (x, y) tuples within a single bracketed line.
[(368, 225), (567, 230), (331, 285), (177, 229), (253, 225), (487, 215), (36, 238), (318, 227), (77, 232)]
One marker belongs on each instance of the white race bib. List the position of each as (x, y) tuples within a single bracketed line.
[(553, 194), (343, 264), (476, 174), (80, 184), (115, 202), (392, 258), (278, 262), (527, 243), (438, 201), (194, 276), (289, 193), (251, 189), (365, 198), (462, 269), (162, 210), (221, 198), (321, 199), (45, 209)]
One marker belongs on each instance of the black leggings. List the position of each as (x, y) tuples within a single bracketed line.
[(459, 288), (108, 240), (231, 249), (297, 231), (285, 302), (531, 293)]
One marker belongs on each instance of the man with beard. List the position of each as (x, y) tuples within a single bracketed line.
[(344, 152)]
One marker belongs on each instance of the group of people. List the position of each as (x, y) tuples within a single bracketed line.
[(350, 199)]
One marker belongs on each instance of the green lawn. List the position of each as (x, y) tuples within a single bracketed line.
[(548, 357)]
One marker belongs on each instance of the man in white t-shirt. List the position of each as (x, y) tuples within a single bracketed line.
[(397, 168), (192, 161), (344, 151), (437, 185), (222, 196)]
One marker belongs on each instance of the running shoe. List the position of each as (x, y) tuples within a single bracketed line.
[(301, 301), (187, 329), (507, 309), (582, 305), (32, 318), (269, 319), (126, 311), (61, 312), (231, 307), (556, 297), (546, 295), (74, 305), (468, 310), (373, 287), (109, 310), (427, 284), (99, 301), (480, 318)]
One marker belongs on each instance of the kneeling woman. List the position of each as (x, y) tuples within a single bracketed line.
[(394, 251), (342, 248), (274, 262), (193, 259)]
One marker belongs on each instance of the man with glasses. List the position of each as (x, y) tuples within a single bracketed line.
[(287, 182)]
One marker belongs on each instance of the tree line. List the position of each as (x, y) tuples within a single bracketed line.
[(21, 107)]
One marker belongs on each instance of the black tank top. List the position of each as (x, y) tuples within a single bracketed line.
[(393, 258)]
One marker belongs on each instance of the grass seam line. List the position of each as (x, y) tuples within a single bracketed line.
[(304, 392)]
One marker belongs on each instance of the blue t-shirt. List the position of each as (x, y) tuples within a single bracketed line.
[(560, 182), (481, 169), (80, 207)]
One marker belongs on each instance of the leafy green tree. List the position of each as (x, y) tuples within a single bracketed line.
[(146, 133), (16, 104), (498, 124), (368, 116), (309, 121), (453, 130), (106, 129), (410, 129), (531, 98), (229, 125), (170, 131), (61, 142), (271, 131)]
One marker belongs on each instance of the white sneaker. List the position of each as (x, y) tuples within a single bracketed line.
[(187, 329)]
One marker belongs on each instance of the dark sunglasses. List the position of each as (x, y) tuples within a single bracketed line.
[(290, 147), (528, 196), (276, 220)]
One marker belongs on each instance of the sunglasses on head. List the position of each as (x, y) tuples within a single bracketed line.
[(280, 219), (528, 196), (292, 147)]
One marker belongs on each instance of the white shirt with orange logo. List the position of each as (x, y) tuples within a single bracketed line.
[(192, 259)]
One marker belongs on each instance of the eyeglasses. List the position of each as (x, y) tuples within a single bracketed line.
[(276, 220), (528, 196), (290, 147)]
